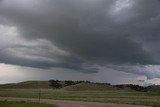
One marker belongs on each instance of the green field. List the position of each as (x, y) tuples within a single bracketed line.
[(91, 93), (123, 97), (23, 104)]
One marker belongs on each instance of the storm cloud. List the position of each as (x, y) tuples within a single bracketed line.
[(82, 35)]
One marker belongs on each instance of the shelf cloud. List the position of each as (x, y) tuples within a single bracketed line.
[(83, 35)]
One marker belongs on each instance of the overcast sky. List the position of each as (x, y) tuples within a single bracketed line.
[(116, 41)]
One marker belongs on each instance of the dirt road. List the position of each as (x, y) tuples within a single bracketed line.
[(62, 103)]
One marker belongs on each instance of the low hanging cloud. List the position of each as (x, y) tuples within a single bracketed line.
[(39, 52), (15, 49), (82, 35), (150, 71)]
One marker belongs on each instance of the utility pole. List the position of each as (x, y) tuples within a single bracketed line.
[(39, 95), (39, 92)]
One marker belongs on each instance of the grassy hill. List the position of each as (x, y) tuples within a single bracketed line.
[(26, 85), (154, 88), (77, 86), (88, 87), (84, 91), (102, 87)]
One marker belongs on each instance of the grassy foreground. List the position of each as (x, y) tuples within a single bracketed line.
[(23, 104), (84, 91), (115, 96)]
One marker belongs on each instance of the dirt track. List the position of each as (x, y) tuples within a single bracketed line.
[(62, 103)]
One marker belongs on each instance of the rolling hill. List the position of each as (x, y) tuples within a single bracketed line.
[(154, 88), (77, 86), (89, 87), (26, 85)]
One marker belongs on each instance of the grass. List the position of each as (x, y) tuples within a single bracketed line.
[(88, 87), (83, 92), (115, 96), (23, 104), (27, 85)]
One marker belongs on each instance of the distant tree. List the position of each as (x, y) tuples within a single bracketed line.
[(55, 83), (138, 88), (69, 82), (120, 86), (133, 87)]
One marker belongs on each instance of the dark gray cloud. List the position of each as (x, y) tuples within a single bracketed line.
[(87, 32)]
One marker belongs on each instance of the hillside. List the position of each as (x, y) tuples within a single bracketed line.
[(88, 87), (77, 86), (154, 88), (26, 85)]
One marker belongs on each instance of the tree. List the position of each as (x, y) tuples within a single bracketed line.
[(56, 84)]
